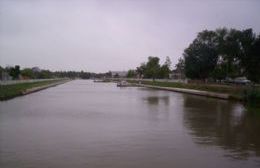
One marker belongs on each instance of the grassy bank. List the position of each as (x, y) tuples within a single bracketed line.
[(10, 91), (235, 92)]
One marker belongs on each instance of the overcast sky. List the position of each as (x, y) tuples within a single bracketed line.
[(102, 35)]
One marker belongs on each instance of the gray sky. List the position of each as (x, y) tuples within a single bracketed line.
[(102, 35)]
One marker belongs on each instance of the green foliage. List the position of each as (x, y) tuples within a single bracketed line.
[(15, 72), (235, 92), (152, 69), (1, 71), (180, 65), (252, 97), (165, 69), (164, 72), (223, 53), (131, 73), (200, 60), (219, 72), (252, 62), (27, 72), (141, 70)]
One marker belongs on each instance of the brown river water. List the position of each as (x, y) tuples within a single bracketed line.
[(82, 124)]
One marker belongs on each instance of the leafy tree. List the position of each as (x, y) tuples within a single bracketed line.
[(223, 53), (44, 74), (165, 69), (141, 70), (200, 58), (252, 63), (28, 73), (15, 72), (180, 65), (131, 73), (152, 67), (1, 71)]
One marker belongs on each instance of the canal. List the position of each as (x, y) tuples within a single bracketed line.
[(98, 125)]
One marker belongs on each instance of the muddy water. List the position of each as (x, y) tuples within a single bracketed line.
[(84, 124)]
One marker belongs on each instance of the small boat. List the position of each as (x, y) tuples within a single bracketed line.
[(123, 84)]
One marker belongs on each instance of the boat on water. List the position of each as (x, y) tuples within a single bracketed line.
[(123, 84)]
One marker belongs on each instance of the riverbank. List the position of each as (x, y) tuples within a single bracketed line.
[(19, 89), (209, 90), (190, 91)]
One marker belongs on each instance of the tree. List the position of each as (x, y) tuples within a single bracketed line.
[(131, 73), (180, 65), (1, 72), (223, 53), (141, 70), (15, 72), (168, 62), (234, 48), (44, 74), (27, 72), (200, 57), (252, 63), (152, 67), (165, 69)]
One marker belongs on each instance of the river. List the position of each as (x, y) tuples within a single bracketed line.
[(82, 124)]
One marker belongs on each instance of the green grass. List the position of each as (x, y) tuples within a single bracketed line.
[(236, 92), (10, 91)]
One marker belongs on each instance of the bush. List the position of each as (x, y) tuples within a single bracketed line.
[(252, 96)]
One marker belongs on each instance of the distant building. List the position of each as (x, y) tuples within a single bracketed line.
[(119, 74)]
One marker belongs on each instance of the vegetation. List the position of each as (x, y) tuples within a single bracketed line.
[(131, 73), (152, 69), (223, 53), (36, 73), (10, 91), (236, 92), (252, 97), (15, 71)]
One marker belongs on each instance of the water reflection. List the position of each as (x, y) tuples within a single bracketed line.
[(154, 100), (157, 104), (224, 124)]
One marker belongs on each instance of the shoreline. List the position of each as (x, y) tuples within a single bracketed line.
[(32, 89), (39, 88), (221, 92), (190, 91)]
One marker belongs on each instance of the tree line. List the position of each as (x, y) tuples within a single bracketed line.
[(152, 69), (35, 73), (221, 54)]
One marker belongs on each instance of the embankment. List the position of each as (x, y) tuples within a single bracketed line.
[(209, 90), (20, 89), (190, 91)]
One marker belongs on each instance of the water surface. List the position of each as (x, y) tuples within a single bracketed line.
[(84, 124)]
